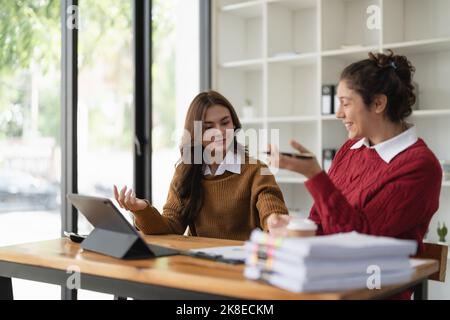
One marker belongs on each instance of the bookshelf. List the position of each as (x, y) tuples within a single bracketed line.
[(279, 53)]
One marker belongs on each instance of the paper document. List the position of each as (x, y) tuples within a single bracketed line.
[(230, 254), (351, 245), (356, 281)]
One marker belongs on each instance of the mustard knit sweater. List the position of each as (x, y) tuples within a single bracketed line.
[(233, 205)]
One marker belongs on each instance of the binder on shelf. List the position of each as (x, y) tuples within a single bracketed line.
[(327, 99)]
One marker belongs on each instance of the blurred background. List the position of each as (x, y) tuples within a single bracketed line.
[(271, 58), (30, 110)]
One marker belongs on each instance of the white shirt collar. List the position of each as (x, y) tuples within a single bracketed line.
[(231, 162), (388, 149)]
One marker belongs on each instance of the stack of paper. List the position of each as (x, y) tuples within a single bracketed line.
[(328, 263)]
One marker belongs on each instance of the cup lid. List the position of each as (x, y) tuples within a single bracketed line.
[(302, 224)]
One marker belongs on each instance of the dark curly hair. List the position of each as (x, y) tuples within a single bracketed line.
[(387, 74)]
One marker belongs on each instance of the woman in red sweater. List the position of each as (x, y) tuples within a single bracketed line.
[(384, 180)]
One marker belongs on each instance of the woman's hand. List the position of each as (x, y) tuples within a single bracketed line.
[(128, 200), (277, 224), (307, 167)]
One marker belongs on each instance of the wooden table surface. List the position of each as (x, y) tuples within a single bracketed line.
[(182, 272)]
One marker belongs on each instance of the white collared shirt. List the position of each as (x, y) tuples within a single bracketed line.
[(231, 163), (388, 149)]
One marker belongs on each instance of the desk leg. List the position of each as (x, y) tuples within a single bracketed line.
[(421, 291), (6, 290), (68, 294)]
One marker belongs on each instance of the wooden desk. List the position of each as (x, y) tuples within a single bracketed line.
[(175, 277)]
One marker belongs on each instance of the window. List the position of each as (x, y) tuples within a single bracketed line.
[(175, 76), (105, 102), (30, 109), (105, 98), (30, 45)]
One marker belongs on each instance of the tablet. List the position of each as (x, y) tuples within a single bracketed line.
[(113, 235)]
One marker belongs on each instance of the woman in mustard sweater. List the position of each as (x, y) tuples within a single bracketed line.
[(217, 191)]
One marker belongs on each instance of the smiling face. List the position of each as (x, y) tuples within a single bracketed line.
[(359, 120), (218, 128)]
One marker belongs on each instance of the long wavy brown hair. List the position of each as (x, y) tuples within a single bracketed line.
[(190, 187)]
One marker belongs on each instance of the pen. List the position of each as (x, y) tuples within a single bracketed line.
[(295, 155)]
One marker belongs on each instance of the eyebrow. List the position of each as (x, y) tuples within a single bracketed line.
[(224, 118), (348, 98)]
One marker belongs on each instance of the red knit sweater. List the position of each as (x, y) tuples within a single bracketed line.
[(365, 194)]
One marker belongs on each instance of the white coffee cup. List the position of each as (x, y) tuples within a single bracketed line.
[(300, 227)]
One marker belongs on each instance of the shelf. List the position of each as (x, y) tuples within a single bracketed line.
[(305, 133), (240, 27), (289, 177), (411, 20), (279, 53), (344, 23), (295, 4), (291, 27), (245, 121), (239, 85), (248, 9), (334, 134), (290, 180), (430, 113), (420, 46), (329, 117), (292, 119), (292, 92), (295, 59), (253, 64), (355, 53), (415, 114), (257, 64)]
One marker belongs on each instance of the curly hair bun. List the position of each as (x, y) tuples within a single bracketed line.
[(388, 74), (402, 66)]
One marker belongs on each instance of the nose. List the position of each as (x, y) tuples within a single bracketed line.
[(219, 133), (224, 129), (340, 113)]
